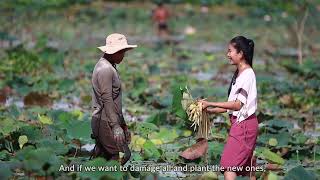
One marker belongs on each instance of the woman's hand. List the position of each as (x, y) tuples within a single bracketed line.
[(204, 103)]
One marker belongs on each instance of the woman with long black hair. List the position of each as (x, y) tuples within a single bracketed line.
[(237, 156)]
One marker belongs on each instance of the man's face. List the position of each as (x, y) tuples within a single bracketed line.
[(118, 56)]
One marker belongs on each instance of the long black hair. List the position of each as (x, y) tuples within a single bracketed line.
[(241, 43)]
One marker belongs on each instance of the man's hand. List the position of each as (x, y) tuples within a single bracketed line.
[(128, 134), (118, 135)]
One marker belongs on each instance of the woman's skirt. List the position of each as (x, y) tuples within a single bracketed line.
[(238, 151)]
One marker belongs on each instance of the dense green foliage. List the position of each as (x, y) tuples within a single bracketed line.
[(46, 68)]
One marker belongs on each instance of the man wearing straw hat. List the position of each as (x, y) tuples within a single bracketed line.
[(108, 126)]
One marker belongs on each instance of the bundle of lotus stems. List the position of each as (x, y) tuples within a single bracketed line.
[(198, 117)]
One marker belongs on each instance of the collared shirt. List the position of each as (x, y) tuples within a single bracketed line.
[(107, 84), (245, 91)]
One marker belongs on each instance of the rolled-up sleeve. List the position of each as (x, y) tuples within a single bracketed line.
[(243, 90), (105, 76)]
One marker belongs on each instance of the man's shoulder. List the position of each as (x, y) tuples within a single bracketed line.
[(103, 65), (103, 68)]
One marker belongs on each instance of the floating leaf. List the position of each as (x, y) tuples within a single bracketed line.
[(44, 119), (270, 156), (156, 141), (32, 132), (5, 171), (4, 155), (282, 138), (300, 138), (62, 117), (298, 173), (210, 57), (77, 113), (21, 61), (171, 156), (209, 176), (137, 142), (150, 151), (22, 140), (57, 147), (80, 130), (279, 124), (9, 125), (272, 176), (66, 85), (100, 168), (187, 133), (165, 135), (39, 160), (136, 156), (158, 118), (136, 109), (146, 128), (140, 85), (215, 149)]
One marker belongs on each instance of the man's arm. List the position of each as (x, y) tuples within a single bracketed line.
[(105, 83)]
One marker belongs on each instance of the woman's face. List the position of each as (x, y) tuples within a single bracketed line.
[(234, 56)]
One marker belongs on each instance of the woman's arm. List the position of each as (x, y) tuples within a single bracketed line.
[(231, 105), (216, 110)]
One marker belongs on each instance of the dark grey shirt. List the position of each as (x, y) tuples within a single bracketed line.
[(107, 84)]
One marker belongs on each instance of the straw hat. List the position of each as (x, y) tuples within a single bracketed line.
[(114, 43)]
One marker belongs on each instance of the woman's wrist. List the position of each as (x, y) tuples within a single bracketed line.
[(216, 110), (212, 104), (211, 110)]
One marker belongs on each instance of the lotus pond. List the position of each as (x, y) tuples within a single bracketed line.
[(48, 51)]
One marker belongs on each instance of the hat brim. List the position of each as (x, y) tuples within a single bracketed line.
[(114, 49)]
